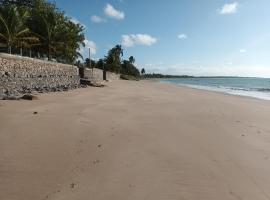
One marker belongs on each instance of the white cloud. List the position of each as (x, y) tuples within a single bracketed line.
[(97, 19), (138, 39), (76, 21), (229, 8), (243, 50), (182, 36), (84, 51), (111, 12), (92, 45)]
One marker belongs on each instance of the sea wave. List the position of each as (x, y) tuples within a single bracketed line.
[(259, 93), (251, 89)]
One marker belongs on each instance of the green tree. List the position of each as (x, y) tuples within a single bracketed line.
[(46, 27), (87, 63), (26, 3), (127, 68), (70, 38), (100, 64), (59, 37), (113, 59), (143, 71), (131, 59), (13, 29)]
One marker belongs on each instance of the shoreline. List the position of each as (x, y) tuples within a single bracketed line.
[(215, 90), (135, 140)]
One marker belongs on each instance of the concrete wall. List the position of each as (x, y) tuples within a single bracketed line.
[(98, 75), (20, 75)]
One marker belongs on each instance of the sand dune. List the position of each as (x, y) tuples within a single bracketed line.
[(134, 141)]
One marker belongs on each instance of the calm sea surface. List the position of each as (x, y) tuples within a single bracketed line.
[(252, 87)]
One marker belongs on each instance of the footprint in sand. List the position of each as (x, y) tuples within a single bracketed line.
[(47, 196), (96, 161), (235, 195), (72, 185)]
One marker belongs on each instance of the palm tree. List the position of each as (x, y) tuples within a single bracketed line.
[(118, 52), (72, 38), (26, 3), (143, 71), (131, 59), (13, 31), (113, 59), (57, 34), (44, 26)]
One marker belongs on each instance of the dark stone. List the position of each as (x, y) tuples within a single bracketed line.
[(7, 74), (84, 81), (29, 97)]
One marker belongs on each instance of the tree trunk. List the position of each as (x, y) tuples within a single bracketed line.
[(9, 48), (49, 53)]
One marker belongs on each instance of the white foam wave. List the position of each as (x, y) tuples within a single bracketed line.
[(233, 91)]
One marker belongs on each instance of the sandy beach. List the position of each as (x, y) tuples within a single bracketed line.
[(135, 141)]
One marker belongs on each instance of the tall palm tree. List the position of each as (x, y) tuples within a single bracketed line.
[(26, 3), (113, 59), (57, 34), (72, 38), (13, 31), (131, 59), (118, 53), (44, 25)]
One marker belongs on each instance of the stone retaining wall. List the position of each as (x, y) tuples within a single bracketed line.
[(19, 75)]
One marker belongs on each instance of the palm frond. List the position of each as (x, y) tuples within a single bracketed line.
[(4, 23), (3, 37)]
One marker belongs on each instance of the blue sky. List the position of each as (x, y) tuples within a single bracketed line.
[(194, 37)]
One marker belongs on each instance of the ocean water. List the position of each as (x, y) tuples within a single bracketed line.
[(251, 87)]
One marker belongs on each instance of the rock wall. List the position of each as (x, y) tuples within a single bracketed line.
[(19, 75), (98, 74)]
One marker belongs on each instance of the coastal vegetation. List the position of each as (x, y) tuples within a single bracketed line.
[(38, 28), (155, 75), (113, 62)]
